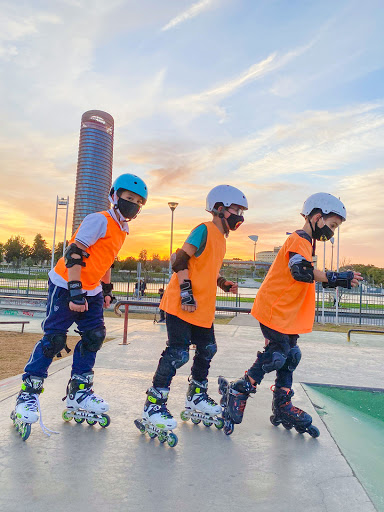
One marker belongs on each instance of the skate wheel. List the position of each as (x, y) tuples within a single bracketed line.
[(16, 427), (313, 431), (275, 422), (287, 426), (66, 416), (207, 423), (105, 421), (79, 420), (195, 421), (152, 435), (183, 416), (300, 430), (90, 422), (227, 430), (25, 432), (172, 440), (140, 426), (162, 437), (220, 423)]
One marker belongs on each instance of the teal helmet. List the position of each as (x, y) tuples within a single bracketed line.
[(132, 183)]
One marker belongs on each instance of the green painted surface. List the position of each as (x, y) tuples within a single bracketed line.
[(355, 419)]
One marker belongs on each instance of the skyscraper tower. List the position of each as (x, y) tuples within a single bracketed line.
[(94, 165)]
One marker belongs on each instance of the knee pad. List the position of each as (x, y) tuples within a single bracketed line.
[(178, 355), (293, 359), (93, 339), (56, 343), (272, 361), (209, 351)]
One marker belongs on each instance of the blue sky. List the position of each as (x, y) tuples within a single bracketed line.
[(282, 99)]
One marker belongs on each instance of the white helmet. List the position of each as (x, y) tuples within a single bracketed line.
[(327, 204), (227, 195)]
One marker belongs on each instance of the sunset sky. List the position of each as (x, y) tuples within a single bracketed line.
[(279, 98)]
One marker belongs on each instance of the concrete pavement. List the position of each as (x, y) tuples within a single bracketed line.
[(259, 467)]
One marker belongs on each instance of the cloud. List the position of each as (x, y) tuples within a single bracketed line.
[(189, 13), (207, 100)]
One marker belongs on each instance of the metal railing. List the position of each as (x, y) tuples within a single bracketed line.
[(128, 303)]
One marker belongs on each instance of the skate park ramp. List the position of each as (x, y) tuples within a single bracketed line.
[(259, 467), (355, 419)]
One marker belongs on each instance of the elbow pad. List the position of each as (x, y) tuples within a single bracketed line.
[(343, 279), (69, 260), (181, 261), (303, 271)]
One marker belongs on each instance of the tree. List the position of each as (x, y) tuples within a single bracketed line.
[(59, 250), (143, 257), (13, 249), (129, 263), (40, 251), (1, 252), (156, 264)]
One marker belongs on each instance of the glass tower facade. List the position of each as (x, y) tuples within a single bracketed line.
[(94, 165)]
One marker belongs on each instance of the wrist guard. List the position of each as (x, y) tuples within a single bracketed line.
[(221, 284), (107, 291), (186, 293), (343, 279), (69, 260), (76, 294)]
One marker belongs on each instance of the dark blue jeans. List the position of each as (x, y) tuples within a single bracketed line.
[(180, 335), (58, 320), (284, 345)]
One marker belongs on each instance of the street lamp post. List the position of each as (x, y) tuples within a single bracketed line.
[(254, 239), (172, 206), (64, 203)]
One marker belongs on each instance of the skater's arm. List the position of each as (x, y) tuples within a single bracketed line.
[(348, 279), (226, 286), (74, 275), (107, 288), (181, 267)]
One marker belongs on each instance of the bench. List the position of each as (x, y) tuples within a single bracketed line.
[(23, 322)]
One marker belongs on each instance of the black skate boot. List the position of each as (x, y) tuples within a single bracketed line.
[(234, 399), (289, 415)]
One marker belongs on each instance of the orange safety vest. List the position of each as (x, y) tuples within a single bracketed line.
[(101, 255), (282, 303), (203, 272)]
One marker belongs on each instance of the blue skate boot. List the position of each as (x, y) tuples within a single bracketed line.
[(156, 419), (233, 401), (289, 415)]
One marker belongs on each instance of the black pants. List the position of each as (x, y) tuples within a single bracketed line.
[(180, 335), (282, 354)]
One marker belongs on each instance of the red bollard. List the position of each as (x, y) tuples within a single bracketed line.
[(125, 332)]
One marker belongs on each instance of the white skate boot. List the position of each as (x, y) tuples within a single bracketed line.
[(83, 404), (157, 420), (199, 406), (28, 407)]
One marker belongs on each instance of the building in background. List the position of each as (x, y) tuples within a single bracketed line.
[(94, 165), (269, 256)]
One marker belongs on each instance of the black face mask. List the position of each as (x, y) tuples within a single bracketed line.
[(323, 234), (234, 221), (128, 209)]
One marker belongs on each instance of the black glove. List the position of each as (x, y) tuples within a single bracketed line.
[(76, 294), (186, 293), (343, 279), (107, 291), (221, 284)]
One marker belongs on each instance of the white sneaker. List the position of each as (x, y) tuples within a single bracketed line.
[(198, 399), (27, 407)]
